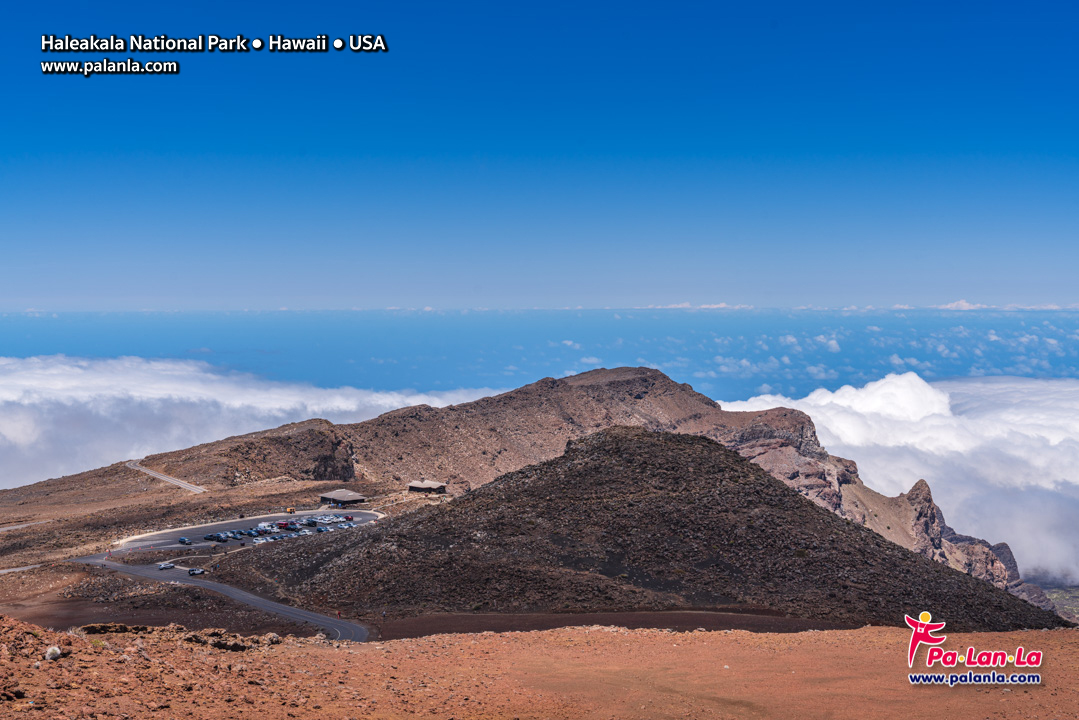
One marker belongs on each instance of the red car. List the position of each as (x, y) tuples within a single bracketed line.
[(348, 517)]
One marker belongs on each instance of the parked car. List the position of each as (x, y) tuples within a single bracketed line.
[(195, 571), (184, 541), (320, 529), (348, 517), (165, 566)]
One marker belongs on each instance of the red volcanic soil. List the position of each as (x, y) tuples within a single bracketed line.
[(571, 673)]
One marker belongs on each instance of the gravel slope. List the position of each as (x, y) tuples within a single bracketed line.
[(629, 520)]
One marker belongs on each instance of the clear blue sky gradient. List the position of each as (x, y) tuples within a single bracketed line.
[(511, 155)]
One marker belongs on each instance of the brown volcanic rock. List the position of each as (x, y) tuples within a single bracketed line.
[(469, 445), (628, 519), (313, 450), (473, 443)]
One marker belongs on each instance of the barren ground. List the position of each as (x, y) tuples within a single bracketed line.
[(63, 596), (84, 514), (594, 672)]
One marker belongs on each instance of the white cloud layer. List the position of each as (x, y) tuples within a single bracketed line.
[(1001, 454), (61, 415)]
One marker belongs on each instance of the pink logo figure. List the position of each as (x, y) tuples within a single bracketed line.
[(923, 631)]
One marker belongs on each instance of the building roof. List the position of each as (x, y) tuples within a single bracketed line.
[(343, 496), (426, 484)]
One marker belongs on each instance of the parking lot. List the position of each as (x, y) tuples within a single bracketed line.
[(170, 539), (268, 531)]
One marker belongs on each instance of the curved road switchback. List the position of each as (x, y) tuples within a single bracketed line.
[(134, 465), (337, 629)]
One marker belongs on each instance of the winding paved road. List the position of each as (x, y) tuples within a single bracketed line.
[(18, 569), (340, 629), (134, 465), (167, 540)]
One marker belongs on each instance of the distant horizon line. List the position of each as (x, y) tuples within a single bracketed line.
[(959, 306)]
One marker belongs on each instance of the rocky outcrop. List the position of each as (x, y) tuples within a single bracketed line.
[(800, 462), (1017, 586), (313, 451), (210, 637), (934, 538)]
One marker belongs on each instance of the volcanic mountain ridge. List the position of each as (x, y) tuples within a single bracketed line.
[(629, 519), (471, 444)]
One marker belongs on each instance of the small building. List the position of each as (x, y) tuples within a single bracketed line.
[(342, 497), (427, 486)]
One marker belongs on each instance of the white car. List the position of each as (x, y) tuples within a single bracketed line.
[(165, 566)]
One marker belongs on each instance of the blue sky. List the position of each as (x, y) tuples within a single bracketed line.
[(557, 155), (547, 155)]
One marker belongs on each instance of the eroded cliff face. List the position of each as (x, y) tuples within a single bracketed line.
[(800, 462), (312, 451), (912, 520)]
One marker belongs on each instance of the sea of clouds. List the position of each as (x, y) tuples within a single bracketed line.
[(61, 415), (1001, 454)]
